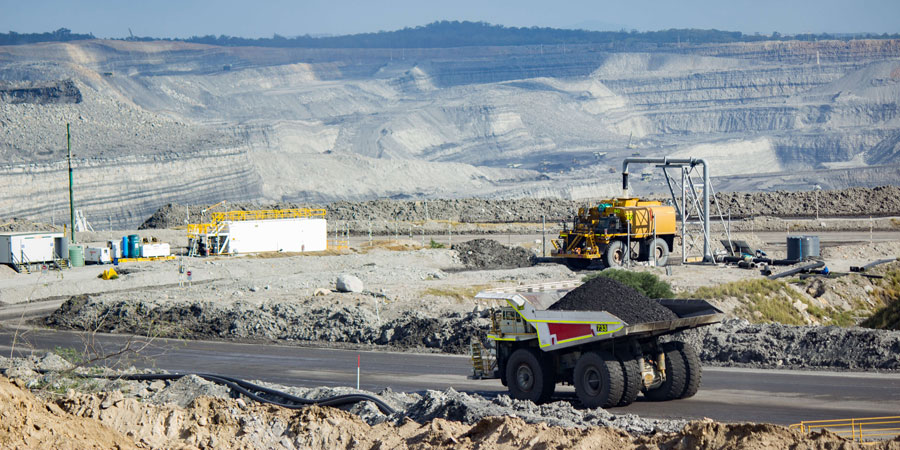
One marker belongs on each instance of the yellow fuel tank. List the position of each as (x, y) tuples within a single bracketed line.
[(647, 220)]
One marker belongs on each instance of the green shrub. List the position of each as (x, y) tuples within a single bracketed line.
[(888, 293), (435, 244), (762, 300), (644, 282), (887, 318)]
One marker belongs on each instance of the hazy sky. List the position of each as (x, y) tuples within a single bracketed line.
[(262, 18)]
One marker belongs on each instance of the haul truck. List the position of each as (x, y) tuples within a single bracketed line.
[(608, 231), (608, 360)]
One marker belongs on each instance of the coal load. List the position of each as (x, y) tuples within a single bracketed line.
[(606, 294), (490, 254)]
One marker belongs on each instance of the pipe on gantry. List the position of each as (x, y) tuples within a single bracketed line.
[(666, 161)]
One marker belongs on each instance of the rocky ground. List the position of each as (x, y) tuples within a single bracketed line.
[(295, 299)]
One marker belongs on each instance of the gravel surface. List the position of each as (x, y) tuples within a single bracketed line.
[(606, 294), (490, 254)]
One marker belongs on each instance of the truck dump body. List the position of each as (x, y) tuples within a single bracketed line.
[(561, 329), (542, 339)]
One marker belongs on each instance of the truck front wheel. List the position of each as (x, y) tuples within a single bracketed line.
[(615, 254), (529, 377), (598, 380)]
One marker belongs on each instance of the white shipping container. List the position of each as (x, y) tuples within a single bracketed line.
[(277, 235), (97, 255), (115, 249), (154, 250), (33, 246)]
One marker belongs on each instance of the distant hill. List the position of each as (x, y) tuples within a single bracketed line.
[(60, 35), (446, 34)]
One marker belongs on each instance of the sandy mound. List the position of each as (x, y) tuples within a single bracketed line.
[(103, 421), (29, 422)]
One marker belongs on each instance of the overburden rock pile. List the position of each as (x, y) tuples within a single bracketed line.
[(878, 201), (325, 324), (738, 342), (490, 254)]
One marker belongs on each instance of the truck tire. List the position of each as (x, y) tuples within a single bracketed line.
[(598, 379), (631, 374), (529, 377), (660, 251), (692, 369), (615, 254), (655, 248), (676, 375)]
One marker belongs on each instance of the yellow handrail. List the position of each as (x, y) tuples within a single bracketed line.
[(334, 244), (861, 430), (198, 229), (265, 214)]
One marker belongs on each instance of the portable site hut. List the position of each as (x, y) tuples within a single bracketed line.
[(293, 230), (29, 247)]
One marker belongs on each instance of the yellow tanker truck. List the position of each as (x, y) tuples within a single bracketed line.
[(613, 229)]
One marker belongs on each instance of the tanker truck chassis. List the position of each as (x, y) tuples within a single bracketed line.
[(608, 361)]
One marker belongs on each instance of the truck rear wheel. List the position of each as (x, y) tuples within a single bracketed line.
[(676, 375), (615, 254), (692, 369), (631, 374), (529, 377), (598, 380)]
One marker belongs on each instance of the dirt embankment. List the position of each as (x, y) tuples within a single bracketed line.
[(116, 418), (879, 201)]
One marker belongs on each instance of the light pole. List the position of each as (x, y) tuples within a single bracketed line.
[(818, 188)]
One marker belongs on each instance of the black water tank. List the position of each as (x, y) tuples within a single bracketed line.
[(802, 247), (795, 248)]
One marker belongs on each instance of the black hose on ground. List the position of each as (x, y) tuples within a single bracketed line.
[(244, 387)]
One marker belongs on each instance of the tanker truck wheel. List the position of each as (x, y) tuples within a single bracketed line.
[(598, 380), (615, 254), (529, 377), (660, 251), (676, 375), (654, 249)]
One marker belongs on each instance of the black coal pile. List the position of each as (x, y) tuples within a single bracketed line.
[(606, 294), (490, 254)]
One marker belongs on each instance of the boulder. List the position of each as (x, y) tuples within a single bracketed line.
[(349, 283)]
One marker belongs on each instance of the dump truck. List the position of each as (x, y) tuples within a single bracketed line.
[(609, 232), (608, 360)]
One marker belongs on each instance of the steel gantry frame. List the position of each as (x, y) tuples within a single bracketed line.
[(692, 206)]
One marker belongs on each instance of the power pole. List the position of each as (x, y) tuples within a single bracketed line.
[(71, 199)]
